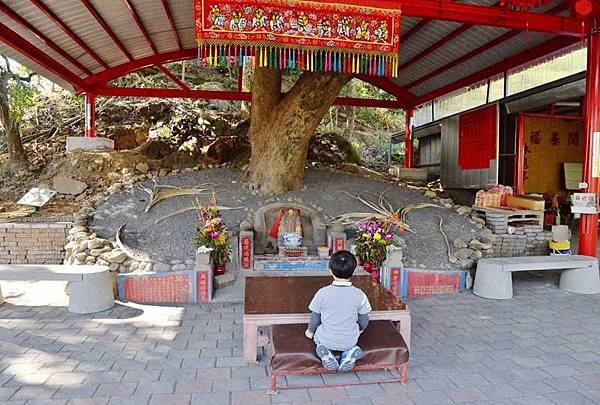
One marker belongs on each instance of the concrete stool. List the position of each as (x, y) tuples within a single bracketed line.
[(91, 286), (493, 279)]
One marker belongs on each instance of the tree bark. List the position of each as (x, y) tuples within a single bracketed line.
[(282, 126), (16, 153)]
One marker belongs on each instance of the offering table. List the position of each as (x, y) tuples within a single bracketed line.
[(275, 300)]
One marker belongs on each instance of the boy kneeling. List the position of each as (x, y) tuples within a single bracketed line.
[(339, 314)]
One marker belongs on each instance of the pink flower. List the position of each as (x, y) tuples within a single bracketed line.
[(214, 235), (388, 237)]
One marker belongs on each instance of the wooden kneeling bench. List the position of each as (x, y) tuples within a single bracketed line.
[(292, 353)]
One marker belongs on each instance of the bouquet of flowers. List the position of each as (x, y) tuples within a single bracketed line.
[(213, 234), (374, 237)]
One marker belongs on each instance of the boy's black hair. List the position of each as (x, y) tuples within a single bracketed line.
[(342, 264)]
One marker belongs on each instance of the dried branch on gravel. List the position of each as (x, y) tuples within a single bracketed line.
[(383, 209), (409, 208), (449, 250), (125, 249), (157, 195)]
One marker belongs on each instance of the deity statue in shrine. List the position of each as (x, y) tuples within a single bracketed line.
[(287, 229)]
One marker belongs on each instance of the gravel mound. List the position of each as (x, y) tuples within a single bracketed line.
[(172, 238)]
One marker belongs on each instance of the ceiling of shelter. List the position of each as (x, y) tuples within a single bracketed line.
[(433, 53)]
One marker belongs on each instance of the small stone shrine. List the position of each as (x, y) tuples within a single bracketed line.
[(287, 236)]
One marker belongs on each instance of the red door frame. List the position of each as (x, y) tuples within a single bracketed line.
[(520, 139)]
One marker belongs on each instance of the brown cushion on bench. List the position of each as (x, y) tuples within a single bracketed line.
[(381, 343)]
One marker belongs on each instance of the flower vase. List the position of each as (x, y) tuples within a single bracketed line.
[(375, 274), (219, 269), (367, 266)]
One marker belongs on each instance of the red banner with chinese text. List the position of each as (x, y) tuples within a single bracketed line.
[(298, 34)]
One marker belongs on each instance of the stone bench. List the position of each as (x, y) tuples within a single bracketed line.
[(92, 286), (494, 276), (292, 353)]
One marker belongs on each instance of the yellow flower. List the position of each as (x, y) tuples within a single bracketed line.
[(377, 236), (365, 235)]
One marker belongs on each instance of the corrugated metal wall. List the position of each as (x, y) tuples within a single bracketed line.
[(430, 150), (452, 176)]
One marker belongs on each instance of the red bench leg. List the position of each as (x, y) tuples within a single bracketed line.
[(273, 388), (404, 373)]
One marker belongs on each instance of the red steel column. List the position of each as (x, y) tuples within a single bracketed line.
[(408, 141), (588, 226), (90, 115)]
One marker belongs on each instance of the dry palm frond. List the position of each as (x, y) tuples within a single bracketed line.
[(157, 195), (383, 209), (406, 210)]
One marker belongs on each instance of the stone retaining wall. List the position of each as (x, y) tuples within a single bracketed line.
[(34, 241)]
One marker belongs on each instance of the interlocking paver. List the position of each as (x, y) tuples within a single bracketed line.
[(518, 351), (129, 400), (214, 398), (430, 398), (116, 389), (170, 399), (33, 392), (88, 401), (191, 387)]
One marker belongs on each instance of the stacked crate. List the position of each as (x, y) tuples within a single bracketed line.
[(528, 237)]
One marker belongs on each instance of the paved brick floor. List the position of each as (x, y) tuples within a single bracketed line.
[(542, 347)]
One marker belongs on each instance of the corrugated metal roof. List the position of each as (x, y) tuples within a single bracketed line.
[(490, 57), (424, 38), (471, 39), (154, 18), (23, 60)]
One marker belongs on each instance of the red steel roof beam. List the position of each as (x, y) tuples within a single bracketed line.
[(106, 28), (437, 45), (103, 77), (539, 51), (21, 45), (416, 28), (482, 15), (16, 17), (390, 87), (227, 95), (44, 9), (171, 76), (495, 42), (172, 23), (140, 25)]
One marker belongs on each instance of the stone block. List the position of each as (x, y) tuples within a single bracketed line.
[(67, 185), (224, 280), (89, 144), (411, 175)]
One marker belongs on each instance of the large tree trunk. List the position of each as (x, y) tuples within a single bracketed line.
[(282, 126), (16, 153)]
